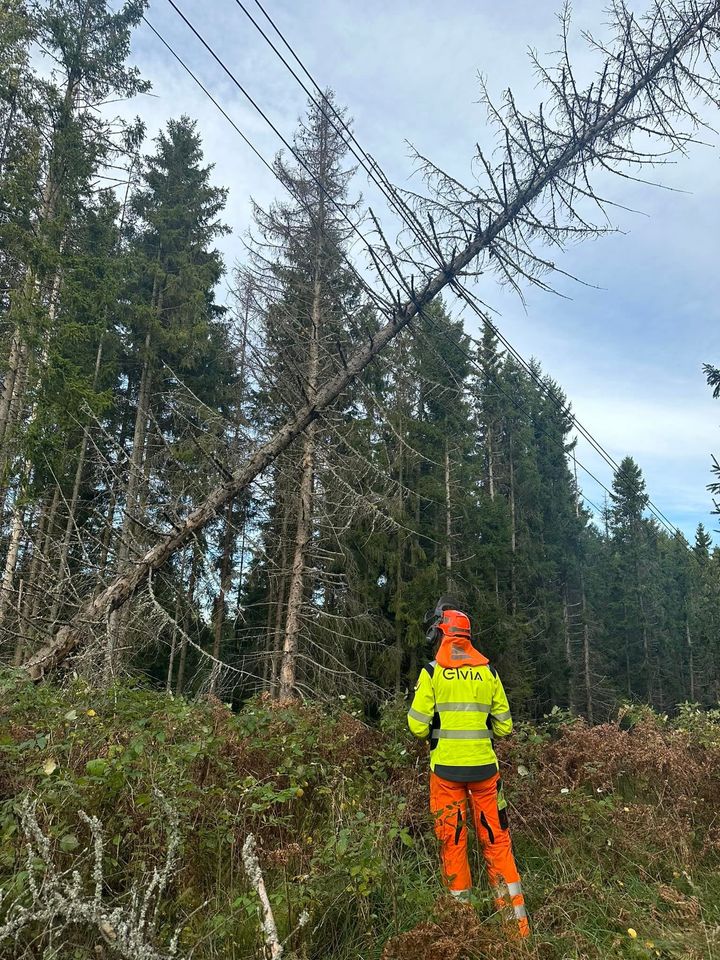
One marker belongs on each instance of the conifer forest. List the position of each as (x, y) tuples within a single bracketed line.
[(231, 489)]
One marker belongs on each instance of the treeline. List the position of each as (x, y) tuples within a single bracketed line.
[(133, 383)]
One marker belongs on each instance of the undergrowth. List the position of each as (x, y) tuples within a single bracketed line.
[(616, 828)]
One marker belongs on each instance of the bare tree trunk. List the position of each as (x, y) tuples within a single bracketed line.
[(173, 647), (574, 145), (7, 592), (21, 377), (513, 532), (399, 565), (12, 98), (586, 652), (179, 685), (137, 456), (62, 570), (132, 500), (448, 521), (303, 535), (11, 377), (491, 466), (691, 662), (109, 528), (279, 610), (225, 580), (577, 488), (648, 673), (491, 485), (398, 607), (25, 598), (17, 395), (626, 643), (39, 592), (568, 651), (269, 664), (16, 379)]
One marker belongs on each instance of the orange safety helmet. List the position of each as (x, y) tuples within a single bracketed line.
[(446, 620)]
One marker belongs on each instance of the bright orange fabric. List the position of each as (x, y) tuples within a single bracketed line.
[(458, 651), (449, 806)]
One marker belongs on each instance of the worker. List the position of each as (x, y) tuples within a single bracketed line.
[(460, 705)]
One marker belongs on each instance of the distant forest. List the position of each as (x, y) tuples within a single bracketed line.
[(139, 371)]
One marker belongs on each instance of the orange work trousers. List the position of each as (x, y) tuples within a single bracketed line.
[(449, 805)]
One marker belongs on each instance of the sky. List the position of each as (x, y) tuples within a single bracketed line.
[(628, 348)]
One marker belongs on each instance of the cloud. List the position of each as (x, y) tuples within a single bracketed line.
[(650, 429), (628, 352)]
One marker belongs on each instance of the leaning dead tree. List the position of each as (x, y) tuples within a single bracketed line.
[(538, 194)]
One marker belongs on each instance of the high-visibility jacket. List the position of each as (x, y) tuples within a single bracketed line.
[(460, 708)]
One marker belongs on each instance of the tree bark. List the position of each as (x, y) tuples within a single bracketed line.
[(278, 608), (491, 466), (132, 499), (586, 652), (63, 570), (69, 637), (691, 663), (25, 602), (513, 533), (41, 551), (8, 390), (647, 671), (6, 588), (448, 521), (399, 567), (179, 685), (303, 534), (568, 651), (225, 581), (585, 133), (173, 646)]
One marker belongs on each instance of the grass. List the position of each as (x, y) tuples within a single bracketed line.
[(615, 827)]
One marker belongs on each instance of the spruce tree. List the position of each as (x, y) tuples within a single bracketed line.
[(173, 325)]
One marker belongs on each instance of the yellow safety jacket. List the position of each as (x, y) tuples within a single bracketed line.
[(461, 709)]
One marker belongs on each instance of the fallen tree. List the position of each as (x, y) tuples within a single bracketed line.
[(650, 79)]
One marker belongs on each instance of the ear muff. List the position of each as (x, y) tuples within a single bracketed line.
[(433, 635), (432, 623)]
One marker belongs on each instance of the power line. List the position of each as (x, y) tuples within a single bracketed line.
[(353, 226), (516, 403), (408, 215), (210, 97), (391, 194)]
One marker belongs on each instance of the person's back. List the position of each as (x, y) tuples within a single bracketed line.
[(460, 704)]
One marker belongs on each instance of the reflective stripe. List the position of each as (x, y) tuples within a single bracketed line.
[(502, 716), (520, 913), (460, 894), (463, 734), (464, 706), (514, 888), (416, 715)]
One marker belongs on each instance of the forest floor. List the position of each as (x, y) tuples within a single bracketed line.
[(616, 830)]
